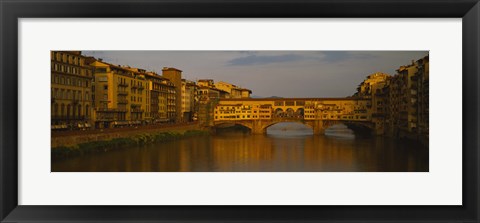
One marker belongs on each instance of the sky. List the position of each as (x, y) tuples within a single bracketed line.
[(272, 73)]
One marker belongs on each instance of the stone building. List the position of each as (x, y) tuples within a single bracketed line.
[(71, 90), (175, 76), (121, 95), (189, 89), (402, 101)]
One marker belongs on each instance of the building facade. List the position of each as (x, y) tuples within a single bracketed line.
[(120, 96), (71, 90), (175, 76), (189, 89)]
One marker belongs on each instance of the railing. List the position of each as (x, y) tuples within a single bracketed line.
[(67, 118), (123, 84), (111, 110), (122, 92), (122, 101)]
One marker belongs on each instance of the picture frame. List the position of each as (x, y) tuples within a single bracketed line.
[(11, 11)]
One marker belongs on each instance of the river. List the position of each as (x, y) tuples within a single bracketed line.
[(286, 148)]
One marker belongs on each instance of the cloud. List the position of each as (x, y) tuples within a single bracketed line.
[(259, 60), (287, 73), (340, 56)]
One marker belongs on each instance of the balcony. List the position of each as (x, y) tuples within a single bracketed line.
[(122, 92), (122, 101), (136, 110), (122, 84), (111, 110), (68, 118)]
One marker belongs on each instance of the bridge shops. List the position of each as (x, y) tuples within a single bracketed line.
[(319, 113)]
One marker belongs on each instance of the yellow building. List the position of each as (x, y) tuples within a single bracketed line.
[(405, 97), (206, 83), (245, 92), (373, 82), (189, 89), (241, 111), (422, 79), (168, 93), (120, 95), (373, 88), (175, 76), (233, 90), (71, 94), (161, 96)]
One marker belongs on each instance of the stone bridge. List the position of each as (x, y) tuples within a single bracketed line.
[(318, 113)]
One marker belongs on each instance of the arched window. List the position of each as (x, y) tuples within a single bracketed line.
[(86, 111)]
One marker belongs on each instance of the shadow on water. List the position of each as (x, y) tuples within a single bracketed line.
[(285, 148)]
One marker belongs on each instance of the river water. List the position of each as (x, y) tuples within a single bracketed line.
[(286, 148)]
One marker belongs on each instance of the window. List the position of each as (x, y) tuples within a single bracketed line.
[(105, 87)]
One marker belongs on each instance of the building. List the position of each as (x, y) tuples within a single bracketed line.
[(348, 109), (147, 103), (162, 98), (71, 90), (233, 90), (206, 83), (207, 93), (189, 89), (168, 98), (175, 76), (373, 88), (120, 95), (423, 103), (245, 92), (404, 101), (369, 86)]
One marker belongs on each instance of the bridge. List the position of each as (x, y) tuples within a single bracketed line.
[(258, 114)]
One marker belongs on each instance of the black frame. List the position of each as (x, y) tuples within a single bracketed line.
[(11, 10)]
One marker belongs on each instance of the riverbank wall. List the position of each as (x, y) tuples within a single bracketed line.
[(74, 138), (77, 144)]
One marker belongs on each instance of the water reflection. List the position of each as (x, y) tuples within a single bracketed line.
[(281, 149)]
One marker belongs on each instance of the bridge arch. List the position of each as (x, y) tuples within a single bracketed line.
[(266, 126), (278, 111), (227, 124), (294, 127), (300, 111)]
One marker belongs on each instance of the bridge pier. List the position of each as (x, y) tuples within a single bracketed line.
[(318, 128), (258, 127)]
